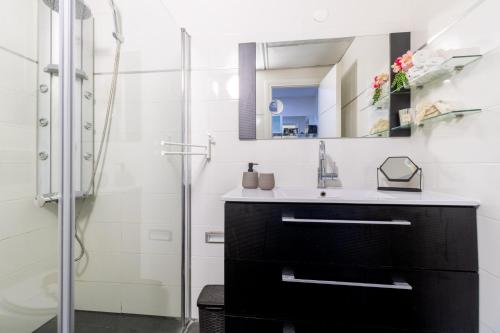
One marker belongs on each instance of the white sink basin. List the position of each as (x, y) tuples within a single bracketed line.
[(342, 195), (325, 194)]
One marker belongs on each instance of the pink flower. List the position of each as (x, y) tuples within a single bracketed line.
[(403, 63), (379, 80), (406, 61), (384, 77)]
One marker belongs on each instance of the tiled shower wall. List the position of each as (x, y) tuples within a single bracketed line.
[(28, 234)]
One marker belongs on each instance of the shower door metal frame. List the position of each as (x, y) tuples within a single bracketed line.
[(186, 178), (66, 216)]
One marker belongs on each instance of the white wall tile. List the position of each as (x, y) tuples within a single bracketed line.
[(98, 296), (489, 300), (207, 270), (152, 238), (489, 249), (101, 237), (207, 209), (151, 300), (149, 31), (195, 293), (461, 156), (28, 234), (99, 267), (20, 14), (17, 252), (483, 328), (150, 269), (202, 249)]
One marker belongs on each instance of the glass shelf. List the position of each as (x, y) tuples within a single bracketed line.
[(448, 68), (382, 134), (380, 104), (441, 117)]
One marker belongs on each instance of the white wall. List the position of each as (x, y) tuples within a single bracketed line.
[(367, 57), (28, 234), (457, 157), (462, 156), (328, 111), (132, 230)]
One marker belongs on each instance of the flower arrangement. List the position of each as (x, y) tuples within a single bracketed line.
[(400, 68), (378, 82)]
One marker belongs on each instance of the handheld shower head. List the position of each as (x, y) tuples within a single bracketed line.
[(117, 16), (82, 11)]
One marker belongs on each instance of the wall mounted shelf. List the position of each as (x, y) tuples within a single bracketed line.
[(441, 117), (450, 67), (380, 134)]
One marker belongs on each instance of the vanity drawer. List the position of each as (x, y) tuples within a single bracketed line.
[(258, 325), (414, 237), (420, 301)]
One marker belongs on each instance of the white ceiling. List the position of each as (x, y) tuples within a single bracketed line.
[(297, 54), (278, 20)]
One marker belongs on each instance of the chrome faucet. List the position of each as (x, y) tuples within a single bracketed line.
[(323, 176)]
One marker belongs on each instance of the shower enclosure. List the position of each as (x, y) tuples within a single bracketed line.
[(94, 227)]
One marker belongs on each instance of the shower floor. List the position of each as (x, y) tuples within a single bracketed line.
[(103, 322)]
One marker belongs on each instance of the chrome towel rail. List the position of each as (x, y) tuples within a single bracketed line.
[(207, 148)]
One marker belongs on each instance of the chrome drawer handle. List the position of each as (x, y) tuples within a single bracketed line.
[(289, 277), (286, 219)]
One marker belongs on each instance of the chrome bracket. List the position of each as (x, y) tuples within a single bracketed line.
[(54, 69)]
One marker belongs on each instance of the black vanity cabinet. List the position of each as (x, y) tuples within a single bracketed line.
[(299, 267)]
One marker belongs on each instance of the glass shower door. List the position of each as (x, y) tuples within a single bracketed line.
[(130, 225), (104, 244), (28, 227)]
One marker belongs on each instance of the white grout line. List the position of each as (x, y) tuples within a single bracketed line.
[(18, 54), (141, 72)]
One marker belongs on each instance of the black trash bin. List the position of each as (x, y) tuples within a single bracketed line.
[(211, 309)]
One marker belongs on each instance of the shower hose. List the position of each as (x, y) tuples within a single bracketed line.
[(104, 138)]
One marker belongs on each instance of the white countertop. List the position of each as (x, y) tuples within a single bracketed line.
[(347, 196)]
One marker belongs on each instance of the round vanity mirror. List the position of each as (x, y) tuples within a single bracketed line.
[(276, 106), (399, 169)]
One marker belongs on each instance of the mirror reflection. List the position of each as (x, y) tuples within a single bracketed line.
[(322, 88)]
